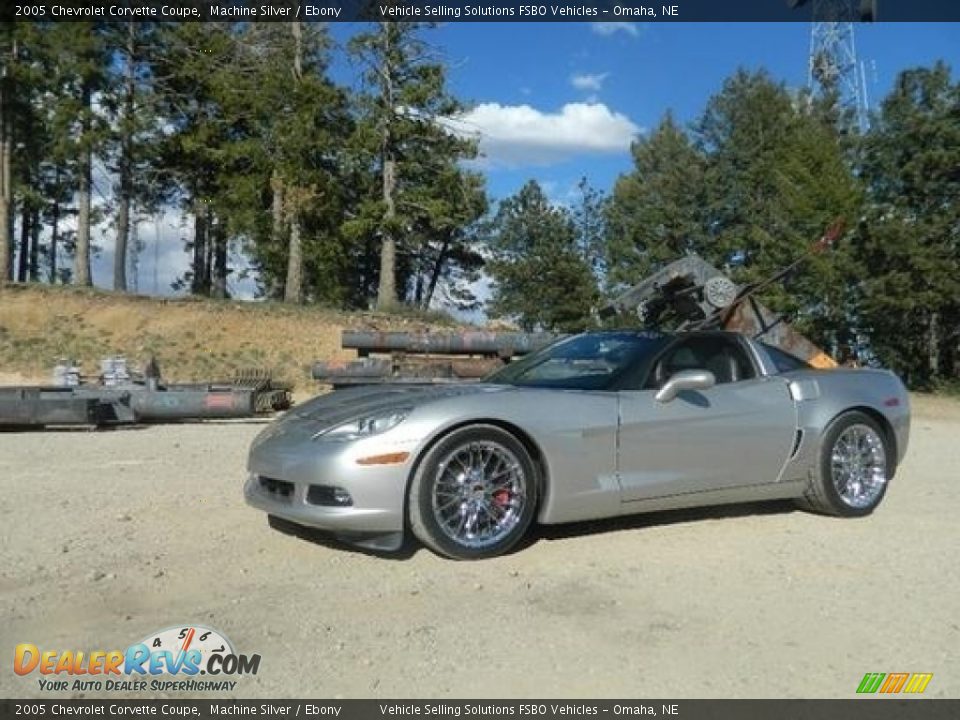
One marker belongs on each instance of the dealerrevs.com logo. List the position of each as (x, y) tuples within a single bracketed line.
[(169, 660)]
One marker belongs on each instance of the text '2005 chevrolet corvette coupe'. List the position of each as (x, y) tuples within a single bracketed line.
[(593, 426)]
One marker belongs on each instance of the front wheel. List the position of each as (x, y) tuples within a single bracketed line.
[(474, 494), (856, 464)]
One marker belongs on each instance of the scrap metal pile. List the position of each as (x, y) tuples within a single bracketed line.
[(403, 357), (688, 294), (697, 296), (118, 396)]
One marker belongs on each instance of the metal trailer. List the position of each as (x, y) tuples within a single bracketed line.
[(121, 398), (32, 406)]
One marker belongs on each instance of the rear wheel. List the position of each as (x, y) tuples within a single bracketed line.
[(474, 494), (855, 467)]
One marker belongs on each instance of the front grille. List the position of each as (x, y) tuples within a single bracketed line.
[(280, 489)]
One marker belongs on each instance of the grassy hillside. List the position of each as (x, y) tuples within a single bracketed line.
[(191, 339)]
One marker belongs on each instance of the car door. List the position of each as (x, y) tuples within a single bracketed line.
[(738, 432)]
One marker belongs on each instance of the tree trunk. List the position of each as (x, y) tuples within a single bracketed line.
[(35, 246), (297, 30), (6, 158), (293, 289), (199, 249), (436, 273), (208, 259), (81, 261), (933, 345), (418, 287), (387, 290), (133, 259), (278, 227), (24, 252), (120, 247), (55, 230), (126, 165), (219, 289), (955, 349)]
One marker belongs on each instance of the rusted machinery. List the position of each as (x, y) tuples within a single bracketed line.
[(485, 344), (403, 357), (120, 397), (693, 295)]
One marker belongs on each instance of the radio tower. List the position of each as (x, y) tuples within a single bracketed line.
[(833, 66)]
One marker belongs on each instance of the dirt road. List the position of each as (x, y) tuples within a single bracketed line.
[(106, 537)]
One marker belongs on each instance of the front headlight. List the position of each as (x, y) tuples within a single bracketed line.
[(365, 426)]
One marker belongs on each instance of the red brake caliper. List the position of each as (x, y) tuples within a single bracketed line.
[(502, 497)]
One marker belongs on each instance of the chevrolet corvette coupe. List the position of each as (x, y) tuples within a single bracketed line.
[(593, 426)]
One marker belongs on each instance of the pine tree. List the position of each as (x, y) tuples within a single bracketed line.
[(442, 202), (656, 212), (85, 51), (776, 177), (131, 111), (30, 143), (539, 274), (9, 51), (911, 239), (197, 73), (52, 138), (26, 145), (297, 124), (590, 215), (402, 112)]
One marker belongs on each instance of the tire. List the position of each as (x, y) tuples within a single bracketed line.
[(474, 494), (855, 467)]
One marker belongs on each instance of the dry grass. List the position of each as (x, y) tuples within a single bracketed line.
[(191, 339)]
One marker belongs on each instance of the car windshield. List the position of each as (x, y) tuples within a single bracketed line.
[(784, 361), (593, 361)]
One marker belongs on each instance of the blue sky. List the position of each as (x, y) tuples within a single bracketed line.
[(559, 101), (627, 78)]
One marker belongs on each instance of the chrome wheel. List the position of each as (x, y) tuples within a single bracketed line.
[(479, 494), (858, 466)]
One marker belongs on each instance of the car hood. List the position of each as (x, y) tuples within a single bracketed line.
[(342, 405)]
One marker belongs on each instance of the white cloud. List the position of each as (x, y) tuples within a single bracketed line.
[(588, 81), (515, 135), (611, 28)]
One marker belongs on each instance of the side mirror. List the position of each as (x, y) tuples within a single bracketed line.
[(685, 380)]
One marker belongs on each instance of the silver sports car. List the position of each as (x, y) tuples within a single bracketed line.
[(593, 426)]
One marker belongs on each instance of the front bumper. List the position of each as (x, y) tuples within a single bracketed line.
[(343, 519), (375, 517)]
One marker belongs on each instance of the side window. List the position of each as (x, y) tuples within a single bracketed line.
[(721, 356)]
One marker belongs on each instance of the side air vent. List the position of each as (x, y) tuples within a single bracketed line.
[(797, 439)]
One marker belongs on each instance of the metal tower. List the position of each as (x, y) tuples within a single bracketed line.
[(833, 66)]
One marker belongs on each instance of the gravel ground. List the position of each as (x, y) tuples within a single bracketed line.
[(109, 536)]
